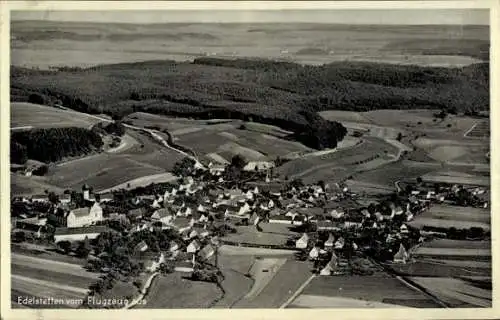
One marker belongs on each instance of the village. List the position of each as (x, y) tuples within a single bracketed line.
[(178, 227)]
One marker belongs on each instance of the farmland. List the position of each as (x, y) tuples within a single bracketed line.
[(106, 170), (378, 290), (442, 216), (38, 116), (45, 278), (271, 235), (174, 291), (220, 140)]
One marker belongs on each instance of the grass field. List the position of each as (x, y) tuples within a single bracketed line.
[(376, 289), (454, 177), (105, 171), (49, 278), (38, 116), (272, 234), (175, 292), (281, 287), (455, 292), (332, 166)]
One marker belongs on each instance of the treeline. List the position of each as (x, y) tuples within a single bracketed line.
[(53, 144)]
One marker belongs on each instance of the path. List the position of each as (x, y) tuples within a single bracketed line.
[(22, 128), (471, 128), (144, 291), (299, 291)]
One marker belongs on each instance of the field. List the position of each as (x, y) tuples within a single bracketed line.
[(378, 290), (174, 292), (107, 170), (481, 129), (456, 293), (219, 140), (457, 178), (443, 216), (280, 287), (338, 165), (45, 278), (38, 116), (272, 234)]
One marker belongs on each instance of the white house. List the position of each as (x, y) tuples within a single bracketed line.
[(162, 215), (314, 253), (330, 242), (193, 247), (401, 256), (84, 216), (302, 242), (258, 165)]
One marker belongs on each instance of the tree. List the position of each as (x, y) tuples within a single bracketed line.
[(184, 167), (83, 249), (399, 137), (53, 198), (238, 161), (419, 180), (64, 246), (18, 153)]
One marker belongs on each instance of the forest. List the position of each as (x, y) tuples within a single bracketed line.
[(53, 144), (280, 93)]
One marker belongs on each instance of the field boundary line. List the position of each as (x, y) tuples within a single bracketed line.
[(299, 291), (471, 128)]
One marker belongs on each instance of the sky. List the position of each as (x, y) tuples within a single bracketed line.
[(338, 16)]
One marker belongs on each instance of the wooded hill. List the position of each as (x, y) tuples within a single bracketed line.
[(281, 93)]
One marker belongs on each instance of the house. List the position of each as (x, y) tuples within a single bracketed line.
[(331, 241), (314, 253), (84, 216), (106, 197), (302, 242), (162, 215), (193, 247), (339, 244), (65, 198), (154, 264), (40, 198), (258, 165), (330, 267), (141, 247), (402, 255), (207, 252), (136, 214), (181, 224), (78, 234), (326, 225)]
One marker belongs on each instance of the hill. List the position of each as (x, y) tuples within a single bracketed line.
[(279, 93)]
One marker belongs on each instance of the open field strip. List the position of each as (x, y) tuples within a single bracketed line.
[(437, 223), (341, 116), (53, 265), (38, 116), (143, 181), (187, 293), (262, 271), (21, 128), (444, 178), (50, 284), (249, 251), (281, 287), (312, 301), (465, 244), (424, 251), (459, 263), (455, 290)]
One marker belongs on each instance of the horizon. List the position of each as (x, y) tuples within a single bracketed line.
[(415, 17)]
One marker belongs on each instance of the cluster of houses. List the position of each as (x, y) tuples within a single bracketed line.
[(198, 202)]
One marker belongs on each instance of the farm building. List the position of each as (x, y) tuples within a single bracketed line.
[(78, 234), (258, 165), (162, 215)]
